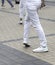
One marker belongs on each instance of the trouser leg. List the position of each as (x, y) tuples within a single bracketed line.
[(35, 21), (21, 9), (41, 34), (2, 2), (9, 1), (26, 30)]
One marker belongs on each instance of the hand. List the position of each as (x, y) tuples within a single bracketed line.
[(42, 4)]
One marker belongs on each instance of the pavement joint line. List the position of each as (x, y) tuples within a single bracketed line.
[(50, 2), (8, 12), (15, 40), (48, 19), (51, 20)]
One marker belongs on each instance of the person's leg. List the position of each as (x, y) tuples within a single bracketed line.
[(42, 38), (21, 11), (41, 35), (9, 1), (26, 31), (2, 2), (32, 12)]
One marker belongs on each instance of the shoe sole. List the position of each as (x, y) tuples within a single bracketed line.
[(26, 45), (40, 51), (20, 23)]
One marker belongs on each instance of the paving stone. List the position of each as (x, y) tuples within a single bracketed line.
[(11, 56)]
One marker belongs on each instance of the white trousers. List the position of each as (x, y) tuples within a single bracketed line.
[(22, 8), (32, 17)]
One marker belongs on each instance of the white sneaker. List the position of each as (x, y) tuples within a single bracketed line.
[(41, 49)]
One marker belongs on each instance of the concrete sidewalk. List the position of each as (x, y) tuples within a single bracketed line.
[(11, 33), (11, 56)]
